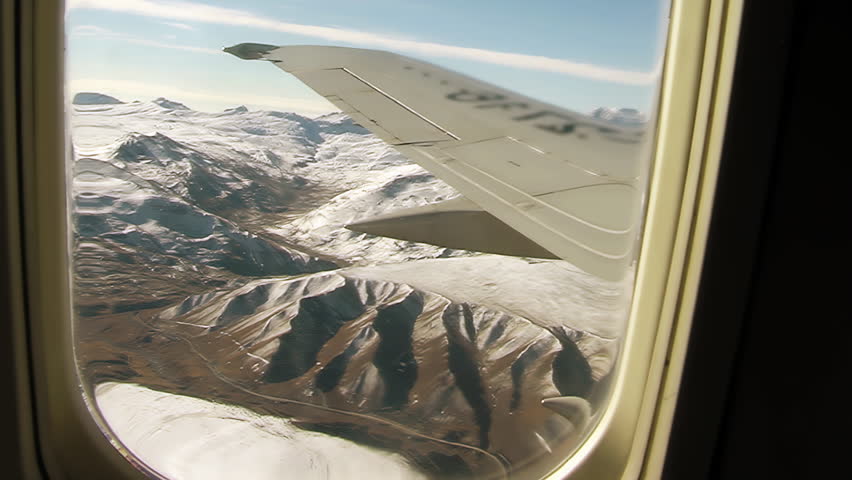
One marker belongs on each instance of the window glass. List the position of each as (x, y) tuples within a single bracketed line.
[(365, 265)]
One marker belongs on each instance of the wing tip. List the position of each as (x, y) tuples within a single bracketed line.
[(249, 51)]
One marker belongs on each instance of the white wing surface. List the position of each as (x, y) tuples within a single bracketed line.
[(566, 181)]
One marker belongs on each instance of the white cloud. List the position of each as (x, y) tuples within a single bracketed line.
[(105, 33), (127, 90), (196, 12), (173, 46), (91, 30), (181, 26)]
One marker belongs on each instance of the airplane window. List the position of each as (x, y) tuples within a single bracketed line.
[(356, 239)]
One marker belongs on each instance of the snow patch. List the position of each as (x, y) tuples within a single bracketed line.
[(550, 293), (169, 104), (187, 438)]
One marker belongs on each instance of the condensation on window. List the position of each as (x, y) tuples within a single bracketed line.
[(272, 278)]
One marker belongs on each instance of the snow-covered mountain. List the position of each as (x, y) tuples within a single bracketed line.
[(120, 218), (322, 229), (300, 178), (198, 197), (168, 104), (216, 242), (471, 364), (92, 98)]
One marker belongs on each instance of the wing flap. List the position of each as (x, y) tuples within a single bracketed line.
[(607, 206), (520, 166), (543, 218)]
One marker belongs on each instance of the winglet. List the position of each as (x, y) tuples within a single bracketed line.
[(250, 51), (577, 410)]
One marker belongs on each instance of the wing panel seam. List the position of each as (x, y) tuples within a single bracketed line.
[(551, 192), (393, 99)]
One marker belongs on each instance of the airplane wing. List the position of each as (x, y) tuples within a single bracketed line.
[(565, 181)]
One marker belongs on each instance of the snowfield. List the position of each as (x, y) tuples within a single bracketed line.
[(186, 438)]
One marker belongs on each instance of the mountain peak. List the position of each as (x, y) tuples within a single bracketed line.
[(333, 117), (240, 109), (171, 105), (93, 98)]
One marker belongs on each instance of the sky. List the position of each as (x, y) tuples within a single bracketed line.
[(577, 54)]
